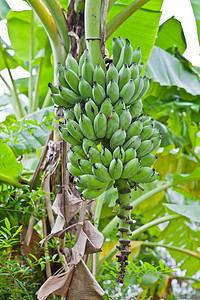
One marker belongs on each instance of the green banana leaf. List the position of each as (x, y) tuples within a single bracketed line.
[(171, 35), (167, 70), (190, 211), (10, 168), (196, 9)]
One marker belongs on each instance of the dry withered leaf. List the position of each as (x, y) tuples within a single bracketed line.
[(95, 238)]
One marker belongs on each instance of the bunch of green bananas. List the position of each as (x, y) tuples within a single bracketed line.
[(112, 141)]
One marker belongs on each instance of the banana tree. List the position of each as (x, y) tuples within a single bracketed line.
[(69, 32)]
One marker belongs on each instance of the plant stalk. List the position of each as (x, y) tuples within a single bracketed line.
[(30, 81), (93, 31)]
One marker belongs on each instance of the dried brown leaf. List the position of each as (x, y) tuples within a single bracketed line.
[(95, 238)]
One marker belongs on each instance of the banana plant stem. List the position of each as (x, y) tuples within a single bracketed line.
[(154, 223), (46, 100), (185, 251), (6, 83), (58, 15), (115, 22), (20, 112), (30, 81), (93, 31), (48, 22), (109, 228)]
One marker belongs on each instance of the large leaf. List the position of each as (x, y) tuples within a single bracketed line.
[(196, 10), (190, 211), (10, 168), (19, 28), (167, 70), (136, 28), (5, 8), (4, 55), (171, 35), (29, 141)]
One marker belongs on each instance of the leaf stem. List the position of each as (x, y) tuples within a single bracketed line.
[(51, 29), (46, 100), (186, 251), (115, 22), (6, 83), (20, 112), (58, 15), (30, 81)]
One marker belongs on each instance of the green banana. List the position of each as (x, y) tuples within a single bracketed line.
[(113, 91), (78, 110), (128, 91), (86, 127), (137, 55), (72, 79), (54, 89), (61, 79), (112, 73), (149, 122), (79, 150), (131, 168), (135, 109), (79, 186), (106, 156), (112, 124), (116, 50), (73, 158), (87, 71), (128, 53), (100, 125), (99, 75), (90, 181), (85, 88), (130, 153), (139, 84), (134, 71), (140, 67), (156, 132), (58, 100), (72, 64), (121, 59), (145, 148), (144, 89), (156, 142), (125, 119), (151, 178), (106, 107), (119, 153), (94, 155), (73, 170), (68, 95), (134, 141), (101, 172), (86, 143), (91, 109), (118, 138), (147, 132), (134, 129), (67, 137), (119, 106), (85, 166), (81, 61), (143, 174), (148, 160), (74, 129), (69, 114), (124, 76), (59, 67), (98, 93), (115, 168), (92, 193)]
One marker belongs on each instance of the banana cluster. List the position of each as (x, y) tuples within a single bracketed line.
[(111, 139)]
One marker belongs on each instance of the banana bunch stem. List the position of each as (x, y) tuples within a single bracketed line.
[(124, 233)]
